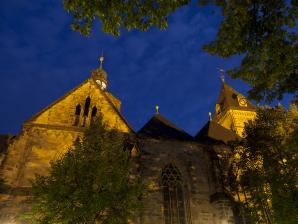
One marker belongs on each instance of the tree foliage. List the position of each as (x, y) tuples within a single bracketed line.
[(114, 14), (264, 168), (92, 183), (262, 31)]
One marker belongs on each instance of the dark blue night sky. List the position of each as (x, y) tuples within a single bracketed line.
[(41, 58)]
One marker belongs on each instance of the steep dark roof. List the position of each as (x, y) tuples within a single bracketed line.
[(229, 96), (214, 131), (160, 127)]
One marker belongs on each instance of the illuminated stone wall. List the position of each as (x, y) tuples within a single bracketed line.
[(45, 137), (198, 175), (235, 120), (49, 134), (62, 112)]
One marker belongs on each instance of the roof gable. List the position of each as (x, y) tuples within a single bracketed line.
[(159, 127), (62, 111), (228, 98)]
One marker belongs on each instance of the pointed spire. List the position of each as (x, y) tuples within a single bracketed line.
[(99, 75), (157, 108)]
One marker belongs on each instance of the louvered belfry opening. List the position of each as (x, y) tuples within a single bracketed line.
[(174, 206)]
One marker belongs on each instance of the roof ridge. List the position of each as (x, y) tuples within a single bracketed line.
[(56, 101), (74, 89), (161, 127), (231, 97), (168, 122)]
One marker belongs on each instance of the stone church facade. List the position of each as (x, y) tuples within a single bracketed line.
[(185, 174)]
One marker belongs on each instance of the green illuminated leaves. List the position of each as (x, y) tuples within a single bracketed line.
[(262, 32), (265, 167), (90, 184)]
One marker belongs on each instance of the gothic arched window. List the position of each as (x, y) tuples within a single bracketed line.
[(93, 114), (87, 105), (86, 110), (77, 115), (94, 111), (174, 206)]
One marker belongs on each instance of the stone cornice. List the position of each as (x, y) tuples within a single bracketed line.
[(55, 127)]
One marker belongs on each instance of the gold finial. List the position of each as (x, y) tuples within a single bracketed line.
[(101, 59), (210, 116), (157, 108), (222, 72)]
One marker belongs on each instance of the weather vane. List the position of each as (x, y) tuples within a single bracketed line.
[(222, 72)]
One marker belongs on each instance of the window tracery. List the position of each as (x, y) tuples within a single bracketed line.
[(174, 205)]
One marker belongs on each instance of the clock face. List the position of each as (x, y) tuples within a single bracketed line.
[(103, 85), (242, 102), (98, 82)]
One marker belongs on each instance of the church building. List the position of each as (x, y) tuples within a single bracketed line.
[(185, 174)]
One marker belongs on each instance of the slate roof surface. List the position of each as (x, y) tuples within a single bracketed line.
[(159, 127), (214, 131)]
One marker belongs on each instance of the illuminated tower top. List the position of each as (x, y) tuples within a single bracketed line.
[(232, 109), (100, 75)]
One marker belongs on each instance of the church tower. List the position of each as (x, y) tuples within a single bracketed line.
[(233, 110)]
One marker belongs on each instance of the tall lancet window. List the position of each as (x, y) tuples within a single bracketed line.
[(86, 110), (93, 114), (174, 205), (87, 105), (77, 115)]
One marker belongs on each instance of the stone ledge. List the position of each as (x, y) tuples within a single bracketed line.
[(55, 127)]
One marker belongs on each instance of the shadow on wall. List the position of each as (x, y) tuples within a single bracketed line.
[(4, 142)]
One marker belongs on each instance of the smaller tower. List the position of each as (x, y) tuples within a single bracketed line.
[(232, 109), (100, 76)]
